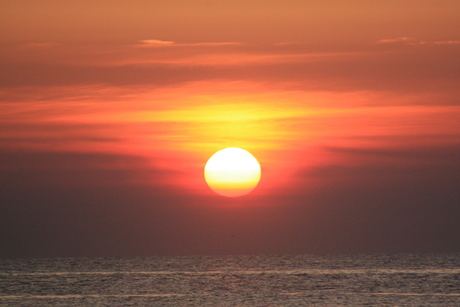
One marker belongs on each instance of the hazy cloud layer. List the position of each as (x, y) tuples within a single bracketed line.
[(110, 109), (430, 68)]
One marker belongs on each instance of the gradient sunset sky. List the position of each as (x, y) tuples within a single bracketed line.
[(109, 111)]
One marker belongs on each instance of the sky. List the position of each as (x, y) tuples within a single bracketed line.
[(109, 111)]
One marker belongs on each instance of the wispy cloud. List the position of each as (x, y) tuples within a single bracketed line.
[(446, 42), (160, 43), (211, 44), (405, 40), (415, 41), (155, 43)]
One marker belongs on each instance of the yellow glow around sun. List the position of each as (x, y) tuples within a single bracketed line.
[(232, 172)]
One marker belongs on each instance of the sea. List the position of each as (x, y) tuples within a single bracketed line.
[(256, 280)]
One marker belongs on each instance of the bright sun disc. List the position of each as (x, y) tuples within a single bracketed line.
[(232, 172)]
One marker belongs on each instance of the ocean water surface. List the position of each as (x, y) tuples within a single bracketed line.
[(264, 280)]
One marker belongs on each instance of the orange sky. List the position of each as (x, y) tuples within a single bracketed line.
[(351, 107)]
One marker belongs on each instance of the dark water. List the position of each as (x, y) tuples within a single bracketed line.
[(289, 280)]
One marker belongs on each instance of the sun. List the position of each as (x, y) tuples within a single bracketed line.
[(232, 172)]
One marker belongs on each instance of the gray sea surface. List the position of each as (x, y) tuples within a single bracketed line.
[(263, 280)]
